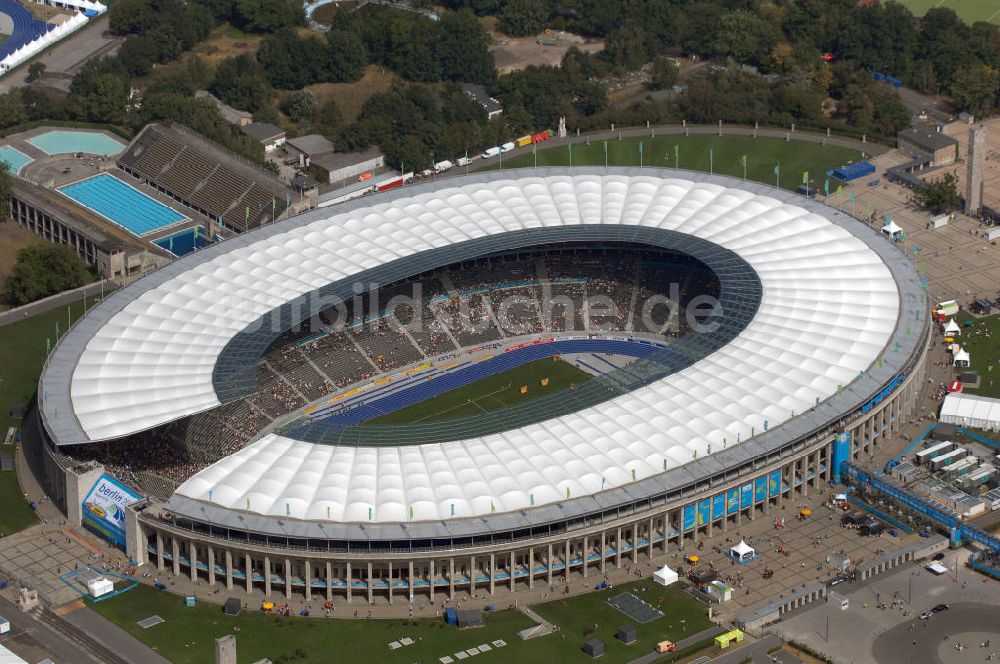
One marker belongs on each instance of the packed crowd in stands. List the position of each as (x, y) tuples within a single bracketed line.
[(572, 289)]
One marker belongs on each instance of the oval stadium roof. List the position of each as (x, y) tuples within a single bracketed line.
[(829, 307)]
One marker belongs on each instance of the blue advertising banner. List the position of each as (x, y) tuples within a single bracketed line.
[(746, 495), (688, 518), (704, 516), (760, 490), (718, 506), (104, 509), (733, 501), (774, 483)]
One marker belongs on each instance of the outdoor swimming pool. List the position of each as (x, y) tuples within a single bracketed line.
[(121, 204), (62, 141), (14, 158)]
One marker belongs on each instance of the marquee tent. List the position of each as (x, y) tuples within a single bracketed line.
[(665, 576), (961, 358), (743, 552), (893, 230), (952, 328), (969, 410)]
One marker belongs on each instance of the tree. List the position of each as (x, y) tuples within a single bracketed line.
[(292, 62), (975, 89), (346, 57), (6, 190), (106, 102), (627, 47), (299, 106), (523, 17), (940, 195), (463, 49), (267, 15), (744, 36), (240, 83), (12, 110), (35, 70), (44, 269)]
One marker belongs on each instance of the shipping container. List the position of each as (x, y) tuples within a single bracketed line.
[(524, 140), (542, 136)]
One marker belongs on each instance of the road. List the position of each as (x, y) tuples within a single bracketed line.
[(917, 641), (53, 302), (35, 637)]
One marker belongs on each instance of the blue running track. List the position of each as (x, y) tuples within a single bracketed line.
[(421, 390), (26, 28)]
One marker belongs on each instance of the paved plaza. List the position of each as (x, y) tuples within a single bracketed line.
[(866, 634)]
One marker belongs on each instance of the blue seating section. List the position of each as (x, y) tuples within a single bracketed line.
[(121, 204), (26, 28), (425, 389)]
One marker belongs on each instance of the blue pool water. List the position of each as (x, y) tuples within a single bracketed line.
[(14, 158), (183, 243), (116, 201), (61, 141)]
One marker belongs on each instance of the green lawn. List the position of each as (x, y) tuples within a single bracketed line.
[(763, 154), (576, 617), (188, 633), (969, 11), (983, 343), (22, 353), (490, 393)]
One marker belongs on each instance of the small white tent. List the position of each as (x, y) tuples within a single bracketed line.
[(962, 358), (742, 552), (951, 328), (665, 576), (894, 232)]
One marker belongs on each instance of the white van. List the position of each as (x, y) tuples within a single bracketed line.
[(463, 161), (507, 147), (491, 152)]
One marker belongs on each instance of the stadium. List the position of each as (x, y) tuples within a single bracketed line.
[(482, 383)]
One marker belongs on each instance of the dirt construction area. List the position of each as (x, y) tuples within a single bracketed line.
[(548, 48)]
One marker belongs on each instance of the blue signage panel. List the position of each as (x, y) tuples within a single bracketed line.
[(760, 490), (703, 511), (733, 501), (688, 518), (718, 506), (774, 484), (746, 495), (104, 509)]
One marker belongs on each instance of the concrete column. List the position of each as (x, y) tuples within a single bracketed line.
[(350, 579), (472, 575), (409, 583), (549, 565), (370, 589), (390, 583), (175, 549), (159, 551), (248, 567), (288, 578), (308, 580), (649, 537), (211, 566), (493, 573), (229, 570), (432, 576), (618, 549), (604, 552), (635, 542), (531, 568), (568, 555), (451, 579), (586, 552), (697, 528), (329, 582), (267, 576), (511, 569)]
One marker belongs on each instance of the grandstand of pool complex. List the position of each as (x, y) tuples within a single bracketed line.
[(122, 204)]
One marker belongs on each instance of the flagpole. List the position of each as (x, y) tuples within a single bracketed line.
[(777, 176), (711, 162)]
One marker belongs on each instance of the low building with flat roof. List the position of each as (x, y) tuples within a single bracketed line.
[(942, 149), (347, 165), (270, 136), (307, 148)]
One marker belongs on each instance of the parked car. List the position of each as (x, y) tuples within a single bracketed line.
[(940, 607), (939, 556), (874, 183), (925, 615)]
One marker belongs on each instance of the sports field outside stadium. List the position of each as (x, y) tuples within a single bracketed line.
[(492, 393), (969, 11), (793, 158)]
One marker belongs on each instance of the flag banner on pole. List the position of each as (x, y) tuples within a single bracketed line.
[(743, 161), (248, 214), (852, 196), (677, 149), (606, 149), (777, 169), (826, 187), (274, 203), (640, 148), (805, 177)]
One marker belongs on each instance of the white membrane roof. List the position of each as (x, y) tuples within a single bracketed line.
[(829, 306)]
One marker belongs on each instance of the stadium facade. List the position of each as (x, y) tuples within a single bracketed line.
[(818, 355)]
